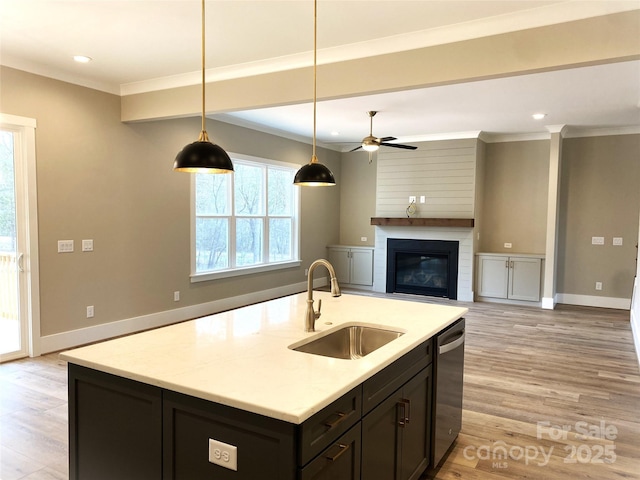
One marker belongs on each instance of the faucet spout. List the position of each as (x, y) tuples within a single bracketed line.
[(311, 314)]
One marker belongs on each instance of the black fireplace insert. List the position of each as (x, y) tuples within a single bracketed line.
[(423, 267)]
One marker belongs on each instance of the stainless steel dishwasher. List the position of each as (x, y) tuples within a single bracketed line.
[(447, 396)]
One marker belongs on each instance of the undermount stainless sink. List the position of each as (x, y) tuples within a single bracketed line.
[(349, 342)]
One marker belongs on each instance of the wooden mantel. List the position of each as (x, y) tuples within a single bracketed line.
[(422, 222)]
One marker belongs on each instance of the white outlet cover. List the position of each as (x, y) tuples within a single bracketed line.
[(412, 199), (508, 245), (617, 241), (87, 245), (597, 240), (223, 454), (65, 246), (363, 239)]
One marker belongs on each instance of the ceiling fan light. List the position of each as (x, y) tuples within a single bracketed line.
[(203, 157), (370, 147)]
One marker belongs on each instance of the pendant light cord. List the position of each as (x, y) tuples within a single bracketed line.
[(203, 134), (315, 56)]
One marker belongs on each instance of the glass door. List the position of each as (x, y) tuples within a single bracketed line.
[(13, 329)]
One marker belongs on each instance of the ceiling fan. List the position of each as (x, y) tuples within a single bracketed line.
[(371, 143)]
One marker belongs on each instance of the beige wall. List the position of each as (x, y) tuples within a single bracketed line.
[(515, 197), (600, 196), (99, 178), (357, 198)]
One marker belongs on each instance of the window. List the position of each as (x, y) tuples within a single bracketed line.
[(247, 221)]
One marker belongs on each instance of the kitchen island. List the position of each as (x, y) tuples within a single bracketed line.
[(154, 404)]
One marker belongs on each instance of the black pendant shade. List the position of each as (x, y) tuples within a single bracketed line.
[(203, 157), (314, 175)]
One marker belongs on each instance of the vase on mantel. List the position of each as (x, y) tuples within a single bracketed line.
[(411, 210)]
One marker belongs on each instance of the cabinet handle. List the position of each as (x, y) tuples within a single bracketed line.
[(340, 417), (407, 410), (506, 264), (511, 264), (341, 449), (404, 412)]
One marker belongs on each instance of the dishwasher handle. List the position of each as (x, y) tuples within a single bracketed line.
[(447, 347)]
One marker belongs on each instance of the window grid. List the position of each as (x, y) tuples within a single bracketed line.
[(264, 215)]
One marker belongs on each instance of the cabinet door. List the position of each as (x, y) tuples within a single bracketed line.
[(265, 447), (493, 276), (341, 261), (362, 267), (396, 442), (524, 280), (115, 427), (339, 461), (416, 429), (380, 441)]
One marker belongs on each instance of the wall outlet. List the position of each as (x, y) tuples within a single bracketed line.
[(65, 246), (507, 245), (90, 311), (412, 199), (223, 454), (597, 240), (176, 296), (306, 272), (617, 241), (422, 199), (87, 245), (363, 239), (598, 285)]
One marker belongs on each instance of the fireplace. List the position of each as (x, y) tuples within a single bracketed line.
[(423, 267)]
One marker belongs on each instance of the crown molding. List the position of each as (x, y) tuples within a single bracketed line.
[(601, 132), (514, 137)]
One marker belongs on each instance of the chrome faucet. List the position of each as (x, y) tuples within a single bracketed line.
[(311, 314)]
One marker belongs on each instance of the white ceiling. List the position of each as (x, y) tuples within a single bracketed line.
[(140, 45)]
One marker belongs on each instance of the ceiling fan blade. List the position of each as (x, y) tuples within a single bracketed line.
[(357, 148), (399, 145), (387, 139)]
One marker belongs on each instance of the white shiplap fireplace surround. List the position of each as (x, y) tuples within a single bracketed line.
[(446, 174)]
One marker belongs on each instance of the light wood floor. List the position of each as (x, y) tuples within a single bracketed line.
[(524, 366)]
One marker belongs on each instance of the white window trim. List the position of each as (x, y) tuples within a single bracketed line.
[(239, 271)]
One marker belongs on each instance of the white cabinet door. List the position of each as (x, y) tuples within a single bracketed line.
[(493, 274), (361, 267), (341, 261), (524, 279)]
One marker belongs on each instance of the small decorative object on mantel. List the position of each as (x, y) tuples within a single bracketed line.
[(411, 209)]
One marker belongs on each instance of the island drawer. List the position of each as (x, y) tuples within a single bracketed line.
[(317, 432), (341, 459), (388, 380)]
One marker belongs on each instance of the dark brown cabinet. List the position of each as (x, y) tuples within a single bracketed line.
[(128, 430), (396, 434)]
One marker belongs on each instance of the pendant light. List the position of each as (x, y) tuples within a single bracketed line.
[(314, 174), (202, 156)]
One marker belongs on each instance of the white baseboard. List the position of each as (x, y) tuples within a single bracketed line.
[(549, 303), (97, 333), (594, 301), (635, 332)]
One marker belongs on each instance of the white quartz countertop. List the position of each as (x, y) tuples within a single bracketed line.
[(241, 358)]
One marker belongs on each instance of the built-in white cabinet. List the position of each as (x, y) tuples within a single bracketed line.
[(353, 265), (513, 277)]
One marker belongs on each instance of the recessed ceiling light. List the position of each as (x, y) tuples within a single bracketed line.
[(82, 58), (539, 116)]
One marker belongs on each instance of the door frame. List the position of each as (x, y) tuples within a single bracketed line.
[(27, 210)]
